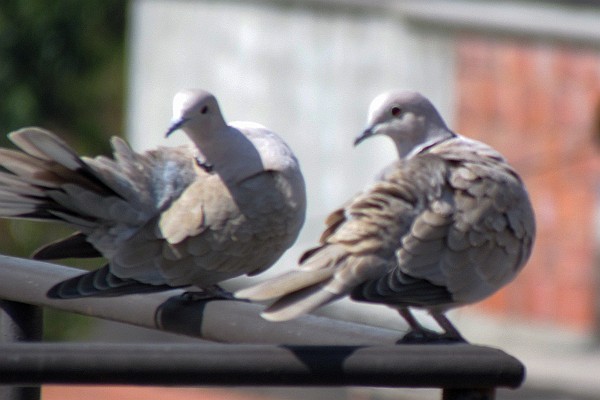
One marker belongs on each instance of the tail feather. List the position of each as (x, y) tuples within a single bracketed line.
[(45, 179), (11, 184), (48, 152), (313, 284), (122, 152), (47, 161), (10, 197), (282, 285), (325, 274), (100, 283), (74, 245), (46, 146), (19, 210), (299, 303), (35, 171), (80, 221), (113, 176)]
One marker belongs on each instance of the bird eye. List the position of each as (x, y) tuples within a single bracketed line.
[(204, 110), (396, 111)]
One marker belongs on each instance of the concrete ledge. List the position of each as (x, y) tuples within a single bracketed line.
[(548, 20), (541, 21)]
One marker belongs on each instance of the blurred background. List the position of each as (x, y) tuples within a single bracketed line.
[(523, 76)]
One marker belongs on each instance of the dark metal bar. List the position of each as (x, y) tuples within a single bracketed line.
[(27, 281), (20, 322), (448, 366), (20, 392), (469, 394)]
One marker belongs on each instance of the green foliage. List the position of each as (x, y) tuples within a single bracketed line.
[(61, 68), (65, 326)]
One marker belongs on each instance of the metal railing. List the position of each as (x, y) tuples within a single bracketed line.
[(309, 351)]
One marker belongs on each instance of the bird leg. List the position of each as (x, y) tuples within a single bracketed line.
[(214, 292), (450, 331), (418, 333)]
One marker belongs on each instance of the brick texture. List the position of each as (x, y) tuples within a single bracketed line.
[(538, 103), (107, 392)]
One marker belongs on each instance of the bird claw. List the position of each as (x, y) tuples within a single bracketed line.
[(210, 293), (425, 336), (419, 337)]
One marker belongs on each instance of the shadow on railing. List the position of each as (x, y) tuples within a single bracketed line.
[(309, 351)]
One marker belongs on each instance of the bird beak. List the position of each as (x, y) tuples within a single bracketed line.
[(176, 124), (367, 133)]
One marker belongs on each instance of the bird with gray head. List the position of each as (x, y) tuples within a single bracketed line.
[(448, 224), (227, 204)]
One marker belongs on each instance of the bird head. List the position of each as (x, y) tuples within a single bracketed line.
[(407, 117), (196, 112)]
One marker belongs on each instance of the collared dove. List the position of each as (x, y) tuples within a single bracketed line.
[(446, 225), (230, 203)]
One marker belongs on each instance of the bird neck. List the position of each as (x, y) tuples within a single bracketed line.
[(229, 153), (433, 136)]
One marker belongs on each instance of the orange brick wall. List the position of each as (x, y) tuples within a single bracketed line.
[(537, 103)]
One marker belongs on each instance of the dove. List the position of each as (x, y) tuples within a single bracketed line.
[(447, 224), (229, 203)]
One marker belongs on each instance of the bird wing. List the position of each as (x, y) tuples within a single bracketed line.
[(473, 235), (493, 227), (212, 232)]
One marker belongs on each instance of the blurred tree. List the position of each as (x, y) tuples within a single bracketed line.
[(61, 65), (62, 68)]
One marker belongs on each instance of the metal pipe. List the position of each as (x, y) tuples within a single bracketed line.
[(457, 366), (27, 281), (469, 394)]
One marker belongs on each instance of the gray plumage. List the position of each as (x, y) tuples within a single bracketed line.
[(447, 224), (230, 203)]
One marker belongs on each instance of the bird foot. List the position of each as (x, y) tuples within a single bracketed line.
[(425, 336), (209, 293)]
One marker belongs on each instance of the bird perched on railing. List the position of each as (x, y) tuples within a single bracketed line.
[(230, 203), (446, 225)]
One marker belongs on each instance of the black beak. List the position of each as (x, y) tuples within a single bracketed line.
[(364, 135), (175, 125)]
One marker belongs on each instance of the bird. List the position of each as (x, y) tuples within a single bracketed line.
[(447, 224), (229, 202)]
